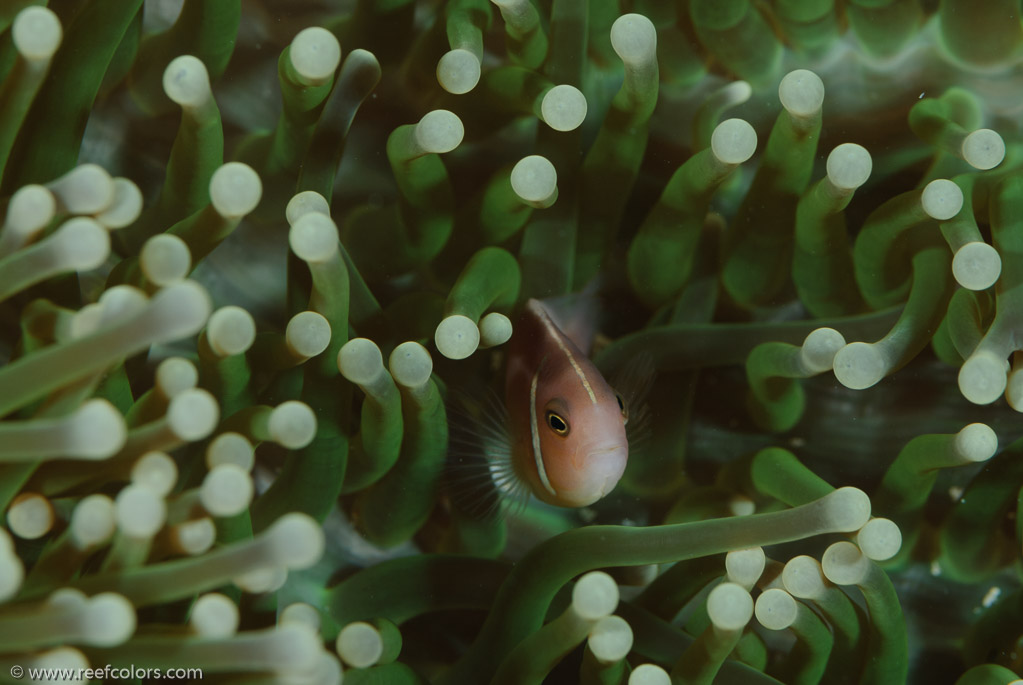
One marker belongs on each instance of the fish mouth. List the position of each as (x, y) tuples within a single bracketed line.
[(607, 464), (604, 453), (608, 449)]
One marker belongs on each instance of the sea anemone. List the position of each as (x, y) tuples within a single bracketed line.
[(257, 258)]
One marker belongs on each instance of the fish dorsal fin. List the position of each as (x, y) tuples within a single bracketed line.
[(575, 315), (567, 347)]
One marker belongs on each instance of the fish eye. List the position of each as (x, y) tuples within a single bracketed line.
[(557, 424), (621, 406)]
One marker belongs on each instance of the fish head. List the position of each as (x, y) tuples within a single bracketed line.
[(580, 430)]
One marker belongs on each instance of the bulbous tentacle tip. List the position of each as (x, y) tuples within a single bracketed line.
[(849, 166), (314, 237), (976, 265), (235, 190), (634, 38), (457, 336), (776, 609), (846, 509), (297, 540), (610, 639), (564, 108), (844, 564), (649, 674), (439, 131), (860, 365), (293, 424), (458, 71), (983, 149), (214, 615), (595, 595), (315, 54), (976, 442), (187, 82), (734, 141), (359, 645), (879, 539), (410, 364), (983, 377), (942, 199), (801, 93), (535, 180), (36, 33), (730, 606)]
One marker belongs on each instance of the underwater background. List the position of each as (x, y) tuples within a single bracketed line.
[(255, 254)]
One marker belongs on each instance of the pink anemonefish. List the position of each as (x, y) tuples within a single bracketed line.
[(567, 424), (563, 434)]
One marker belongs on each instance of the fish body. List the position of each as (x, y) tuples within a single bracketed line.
[(566, 424)]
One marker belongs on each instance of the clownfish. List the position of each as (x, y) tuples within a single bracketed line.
[(561, 436)]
